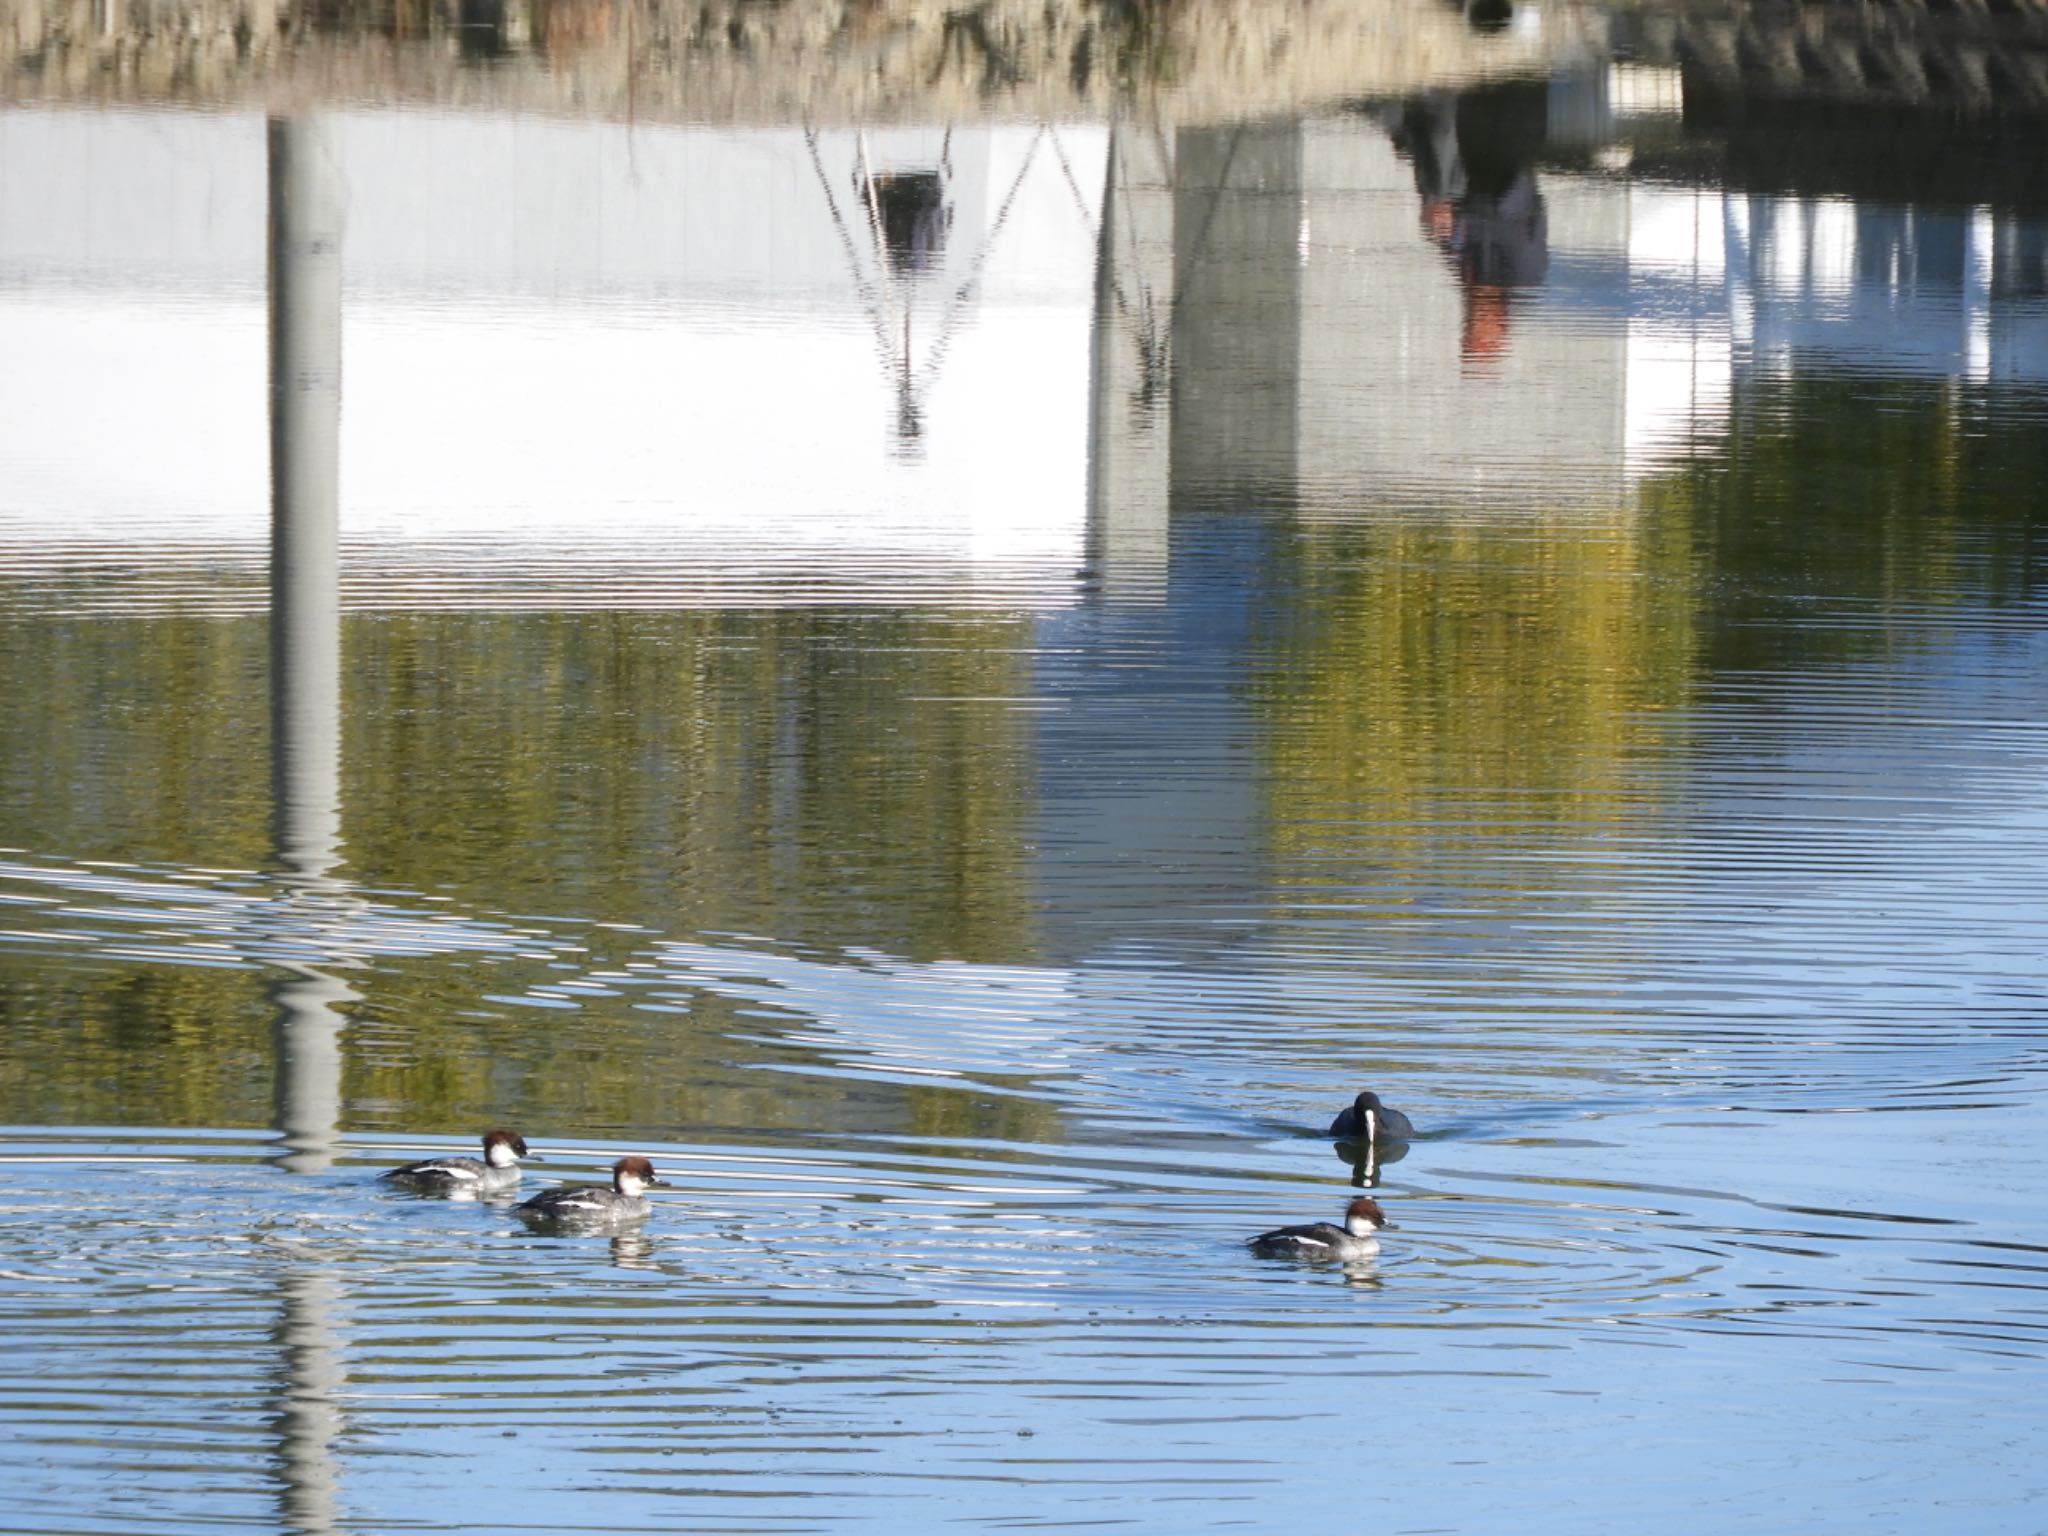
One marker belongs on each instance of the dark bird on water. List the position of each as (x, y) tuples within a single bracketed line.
[(1369, 1120)]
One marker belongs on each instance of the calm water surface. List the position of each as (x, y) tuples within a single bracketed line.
[(964, 692)]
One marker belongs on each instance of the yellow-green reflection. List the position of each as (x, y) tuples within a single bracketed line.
[(1435, 670), (841, 779), (1451, 685), (1907, 496)]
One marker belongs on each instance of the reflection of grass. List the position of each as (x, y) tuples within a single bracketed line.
[(1429, 669), (1900, 494), (382, 18), (801, 773), (848, 775), (125, 1043), (173, 1045), (966, 35), (1140, 39), (816, 775)]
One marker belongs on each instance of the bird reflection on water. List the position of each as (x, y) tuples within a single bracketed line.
[(1367, 1158)]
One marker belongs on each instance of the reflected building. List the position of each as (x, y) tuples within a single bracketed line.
[(1534, 302), (1376, 303), (609, 369), (1131, 366), (1239, 317), (576, 342), (603, 368), (1469, 296)]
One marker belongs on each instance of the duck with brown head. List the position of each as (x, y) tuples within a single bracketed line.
[(592, 1205), (1323, 1242)]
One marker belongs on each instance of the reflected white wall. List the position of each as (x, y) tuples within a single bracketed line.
[(670, 344), (676, 351)]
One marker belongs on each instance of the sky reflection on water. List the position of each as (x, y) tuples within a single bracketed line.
[(966, 730)]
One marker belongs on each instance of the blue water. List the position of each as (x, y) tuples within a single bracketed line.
[(974, 834)]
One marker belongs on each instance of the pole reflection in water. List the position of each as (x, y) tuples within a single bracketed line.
[(305, 621), (305, 218), (310, 1379), (1130, 359), (305, 457), (1237, 209)]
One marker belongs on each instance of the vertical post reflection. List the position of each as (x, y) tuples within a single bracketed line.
[(305, 217), (1239, 238), (305, 456), (311, 1378), (1980, 240), (305, 613), (1130, 368)]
